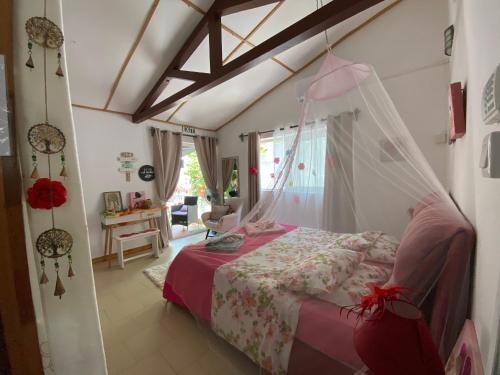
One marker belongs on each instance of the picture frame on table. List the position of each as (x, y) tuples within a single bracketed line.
[(136, 199), (113, 201)]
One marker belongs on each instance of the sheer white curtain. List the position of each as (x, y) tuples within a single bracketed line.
[(302, 197), (338, 206)]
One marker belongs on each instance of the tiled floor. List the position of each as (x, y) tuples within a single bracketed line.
[(144, 335)]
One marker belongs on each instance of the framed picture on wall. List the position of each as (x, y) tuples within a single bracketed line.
[(113, 201)]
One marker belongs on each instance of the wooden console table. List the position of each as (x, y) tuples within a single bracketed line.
[(108, 223)]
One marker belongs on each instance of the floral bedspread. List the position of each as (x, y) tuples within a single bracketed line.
[(250, 307)]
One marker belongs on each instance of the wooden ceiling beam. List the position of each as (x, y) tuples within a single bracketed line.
[(327, 16), (253, 31), (193, 41), (192, 5), (132, 50), (215, 41), (210, 21), (227, 7), (310, 62), (187, 75)]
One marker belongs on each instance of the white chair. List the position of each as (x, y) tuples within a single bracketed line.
[(123, 238), (226, 222)]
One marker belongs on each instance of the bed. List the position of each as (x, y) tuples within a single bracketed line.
[(436, 239)]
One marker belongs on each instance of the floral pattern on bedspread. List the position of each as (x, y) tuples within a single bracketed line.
[(358, 285), (383, 247), (249, 308)]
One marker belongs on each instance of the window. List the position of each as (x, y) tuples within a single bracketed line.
[(308, 169), (266, 162)]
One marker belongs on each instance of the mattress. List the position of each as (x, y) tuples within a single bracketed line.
[(323, 327)]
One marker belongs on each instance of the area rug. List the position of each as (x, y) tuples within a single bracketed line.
[(157, 274)]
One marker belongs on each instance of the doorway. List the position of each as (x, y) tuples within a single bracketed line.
[(190, 199)]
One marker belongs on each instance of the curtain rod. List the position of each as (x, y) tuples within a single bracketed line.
[(242, 135), (152, 129)]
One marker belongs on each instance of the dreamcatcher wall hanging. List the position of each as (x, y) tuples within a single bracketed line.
[(46, 34), (47, 139)]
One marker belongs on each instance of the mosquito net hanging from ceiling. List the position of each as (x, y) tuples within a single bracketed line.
[(346, 187)]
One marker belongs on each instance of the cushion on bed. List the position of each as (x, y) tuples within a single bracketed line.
[(263, 227), (427, 201), (358, 285), (321, 272), (383, 248), (353, 241), (424, 244)]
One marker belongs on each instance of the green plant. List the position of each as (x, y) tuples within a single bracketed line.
[(193, 171)]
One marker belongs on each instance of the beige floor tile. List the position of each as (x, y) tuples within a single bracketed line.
[(227, 361), (195, 369), (143, 335), (181, 352), (119, 358), (179, 322), (146, 341), (118, 309), (153, 364)]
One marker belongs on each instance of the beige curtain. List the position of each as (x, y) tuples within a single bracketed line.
[(206, 150), (227, 171), (253, 161), (338, 195), (167, 154)]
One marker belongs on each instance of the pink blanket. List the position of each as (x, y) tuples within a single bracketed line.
[(190, 276), (189, 283)]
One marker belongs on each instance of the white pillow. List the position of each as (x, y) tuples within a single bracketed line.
[(353, 241), (320, 272), (383, 248), (358, 285)]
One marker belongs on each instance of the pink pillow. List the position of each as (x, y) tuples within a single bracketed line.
[(424, 244), (320, 272), (427, 201)]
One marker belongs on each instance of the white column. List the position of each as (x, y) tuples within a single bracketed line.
[(72, 323)]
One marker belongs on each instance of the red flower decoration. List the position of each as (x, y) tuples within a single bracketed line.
[(276, 160), (253, 170), (378, 299), (46, 194), (301, 166)]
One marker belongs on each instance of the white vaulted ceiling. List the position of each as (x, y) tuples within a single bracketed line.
[(107, 72)]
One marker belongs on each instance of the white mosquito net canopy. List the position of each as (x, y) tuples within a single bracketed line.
[(349, 167)]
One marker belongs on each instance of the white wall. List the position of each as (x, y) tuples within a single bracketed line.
[(476, 53), (72, 333), (101, 136), (406, 55)]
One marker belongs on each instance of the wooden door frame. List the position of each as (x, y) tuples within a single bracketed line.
[(16, 304)]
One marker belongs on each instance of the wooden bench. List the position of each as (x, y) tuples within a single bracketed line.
[(148, 233)]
